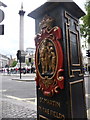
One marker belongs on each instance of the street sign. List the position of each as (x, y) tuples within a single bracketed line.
[(2, 4), (23, 59), (1, 29), (1, 15), (1, 19)]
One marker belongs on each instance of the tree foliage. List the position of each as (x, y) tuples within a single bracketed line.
[(85, 27), (14, 64), (27, 63)]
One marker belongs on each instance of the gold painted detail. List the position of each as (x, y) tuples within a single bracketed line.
[(76, 70), (47, 60), (47, 82), (76, 82), (72, 28), (46, 23), (41, 116), (59, 74), (52, 113), (49, 102), (47, 57)]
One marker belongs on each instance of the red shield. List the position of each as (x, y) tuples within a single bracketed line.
[(49, 61)]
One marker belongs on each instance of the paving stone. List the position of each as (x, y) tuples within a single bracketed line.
[(11, 110)]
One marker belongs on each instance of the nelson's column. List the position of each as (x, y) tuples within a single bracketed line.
[(21, 37)]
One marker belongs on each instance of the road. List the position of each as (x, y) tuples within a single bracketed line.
[(87, 90), (18, 89), (20, 97)]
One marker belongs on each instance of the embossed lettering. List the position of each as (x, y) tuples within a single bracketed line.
[(52, 113), (50, 102)]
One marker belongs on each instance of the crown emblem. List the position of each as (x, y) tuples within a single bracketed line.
[(46, 23)]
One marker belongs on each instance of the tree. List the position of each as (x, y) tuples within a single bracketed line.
[(14, 64), (85, 27), (27, 63)]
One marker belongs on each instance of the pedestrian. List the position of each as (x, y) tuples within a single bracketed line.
[(16, 70)]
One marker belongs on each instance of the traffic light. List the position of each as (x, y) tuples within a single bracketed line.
[(23, 59), (30, 60), (18, 54), (88, 53)]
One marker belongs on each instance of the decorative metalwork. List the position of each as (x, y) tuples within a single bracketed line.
[(73, 45), (49, 58), (72, 83), (46, 23), (42, 117)]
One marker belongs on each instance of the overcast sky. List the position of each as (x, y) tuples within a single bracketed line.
[(9, 42)]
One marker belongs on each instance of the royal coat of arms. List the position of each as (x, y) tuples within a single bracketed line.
[(49, 58)]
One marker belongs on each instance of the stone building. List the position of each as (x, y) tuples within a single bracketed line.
[(30, 57), (4, 61)]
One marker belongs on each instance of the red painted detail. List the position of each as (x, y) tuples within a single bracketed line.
[(58, 79)]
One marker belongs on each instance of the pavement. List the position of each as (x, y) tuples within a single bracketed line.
[(21, 109), (24, 77), (17, 109)]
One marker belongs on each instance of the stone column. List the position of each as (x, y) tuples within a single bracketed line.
[(21, 39)]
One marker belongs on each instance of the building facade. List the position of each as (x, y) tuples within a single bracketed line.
[(4, 61), (30, 57)]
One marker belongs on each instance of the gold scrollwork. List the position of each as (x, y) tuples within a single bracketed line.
[(47, 82), (59, 76)]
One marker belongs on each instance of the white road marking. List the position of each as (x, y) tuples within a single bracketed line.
[(23, 99), (28, 98), (88, 113), (87, 95), (3, 90), (13, 97)]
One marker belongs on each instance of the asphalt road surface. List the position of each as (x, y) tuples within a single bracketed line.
[(87, 90), (19, 89)]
